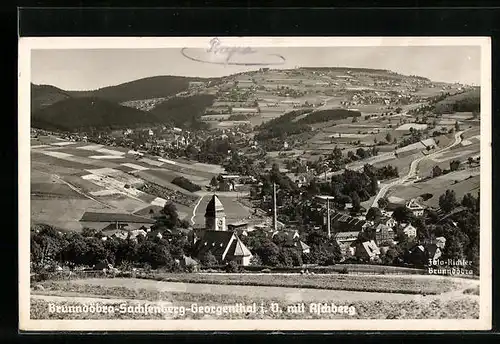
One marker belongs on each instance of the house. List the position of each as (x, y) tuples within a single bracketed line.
[(108, 221), (226, 185), (416, 208), (239, 227), (155, 234), (388, 221), (409, 230), (224, 245), (346, 237), (345, 240), (304, 248), (384, 234), (394, 202), (346, 223), (421, 253), (189, 263), (367, 251)]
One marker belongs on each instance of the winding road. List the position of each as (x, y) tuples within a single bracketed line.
[(412, 173)]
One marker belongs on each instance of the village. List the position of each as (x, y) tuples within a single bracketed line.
[(319, 178)]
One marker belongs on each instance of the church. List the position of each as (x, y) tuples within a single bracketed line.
[(215, 237)]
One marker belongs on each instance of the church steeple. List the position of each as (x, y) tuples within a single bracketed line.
[(215, 217)]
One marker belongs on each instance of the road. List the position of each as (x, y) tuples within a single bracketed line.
[(412, 173)]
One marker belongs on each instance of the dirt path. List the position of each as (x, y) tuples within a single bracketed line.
[(194, 210)]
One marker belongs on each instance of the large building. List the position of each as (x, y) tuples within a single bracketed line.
[(216, 239), (215, 217)]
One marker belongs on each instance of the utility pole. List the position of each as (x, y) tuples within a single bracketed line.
[(328, 221), (275, 215), (328, 217)]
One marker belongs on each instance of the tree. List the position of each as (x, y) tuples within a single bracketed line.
[(457, 126), (351, 156), (454, 165), (470, 160), (361, 153), (208, 259), (214, 182), (448, 201), (470, 202), (156, 254), (356, 201), (354, 119), (373, 214), (436, 171), (268, 253), (402, 214), (383, 203), (388, 137), (170, 217)]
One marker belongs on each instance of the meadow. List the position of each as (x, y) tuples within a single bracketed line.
[(465, 306)]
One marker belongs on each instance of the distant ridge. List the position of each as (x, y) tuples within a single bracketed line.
[(146, 88)]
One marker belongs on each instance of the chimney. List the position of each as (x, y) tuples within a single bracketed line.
[(275, 213)]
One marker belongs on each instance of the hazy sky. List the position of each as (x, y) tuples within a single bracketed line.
[(74, 69)]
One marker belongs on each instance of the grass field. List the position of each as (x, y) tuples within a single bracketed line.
[(436, 187), (382, 284), (63, 213), (456, 306)]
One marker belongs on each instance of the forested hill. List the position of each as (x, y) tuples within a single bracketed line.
[(153, 87), (74, 114), (46, 95)]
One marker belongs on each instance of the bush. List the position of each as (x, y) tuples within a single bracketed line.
[(232, 266), (186, 184), (344, 271)]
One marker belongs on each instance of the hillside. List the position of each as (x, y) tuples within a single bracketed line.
[(183, 111), (147, 88), (463, 102), (45, 95), (83, 113)]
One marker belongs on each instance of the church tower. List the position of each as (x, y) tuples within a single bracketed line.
[(215, 217)]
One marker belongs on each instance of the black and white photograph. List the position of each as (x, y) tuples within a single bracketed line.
[(255, 183)]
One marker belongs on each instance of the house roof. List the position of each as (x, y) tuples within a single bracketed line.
[(214, 206), (434, 251), (303, 245), (371, 248), (240, 250), (213, 241), (346, 235), (347, 222), (89, 216), (382, 227)]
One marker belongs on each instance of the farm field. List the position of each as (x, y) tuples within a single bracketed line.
[(69, 178), (63, 213), (436, 187)]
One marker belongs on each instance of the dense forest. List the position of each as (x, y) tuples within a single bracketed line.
[(328, 115), (183, 112), (73, 114)]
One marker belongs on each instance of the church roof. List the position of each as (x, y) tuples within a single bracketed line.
[(214, 206), (241, 249)]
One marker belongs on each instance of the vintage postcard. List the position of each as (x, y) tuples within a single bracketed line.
[(223, 183)]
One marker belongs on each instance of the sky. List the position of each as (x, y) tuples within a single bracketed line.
[(89, 69)]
